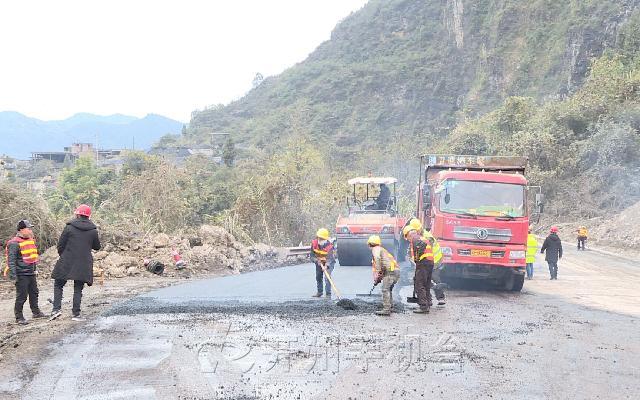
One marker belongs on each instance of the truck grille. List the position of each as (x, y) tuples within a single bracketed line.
[(485, 234)]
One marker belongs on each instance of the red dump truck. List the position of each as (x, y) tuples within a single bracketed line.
[(476, 207)]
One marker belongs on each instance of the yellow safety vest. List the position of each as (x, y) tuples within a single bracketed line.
[(582, 232), (532, 248), (437, 253), (392, 261)]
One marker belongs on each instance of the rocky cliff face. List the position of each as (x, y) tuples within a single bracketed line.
[(415, 66)]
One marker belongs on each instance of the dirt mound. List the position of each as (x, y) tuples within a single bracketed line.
[(206, 250), (623, 230)]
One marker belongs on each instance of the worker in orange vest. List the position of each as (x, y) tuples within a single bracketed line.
[(22, 259), (322, 254), (422, 256)]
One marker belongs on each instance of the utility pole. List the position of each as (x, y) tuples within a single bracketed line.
[(97, 154)]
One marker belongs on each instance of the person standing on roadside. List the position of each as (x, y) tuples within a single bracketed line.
[(532, 249), (553, 246), (22, 259), (78, 238)]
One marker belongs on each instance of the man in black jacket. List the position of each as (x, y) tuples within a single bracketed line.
[(78, 238), (22, 258), (553, 246)]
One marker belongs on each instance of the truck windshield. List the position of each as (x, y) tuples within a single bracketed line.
[(482, 198)]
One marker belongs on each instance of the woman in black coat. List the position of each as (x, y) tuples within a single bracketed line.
[(78, 238)]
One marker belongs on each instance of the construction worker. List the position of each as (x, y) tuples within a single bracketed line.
[(422, 256), (385, 270), (436, 282), (582, 237), (553, 246), (322, 254), (532, 249), (78, 238), (22, 259)]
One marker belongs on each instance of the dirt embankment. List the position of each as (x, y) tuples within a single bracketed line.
[(619, 234)]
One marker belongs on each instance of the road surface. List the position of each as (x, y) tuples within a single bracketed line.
[(260, 335)]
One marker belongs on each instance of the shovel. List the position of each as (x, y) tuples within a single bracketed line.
[(370, 292), (343, 303), (413, 299)]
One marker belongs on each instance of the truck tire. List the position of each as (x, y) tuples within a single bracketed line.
[(514, 283)]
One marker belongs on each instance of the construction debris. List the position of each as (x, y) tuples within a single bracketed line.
[(206, 250)]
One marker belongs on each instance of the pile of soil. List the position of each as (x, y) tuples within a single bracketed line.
[(206, 250)]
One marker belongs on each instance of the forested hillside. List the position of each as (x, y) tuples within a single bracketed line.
[(416, 67)]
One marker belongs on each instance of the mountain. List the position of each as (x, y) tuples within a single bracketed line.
[(20, 135), (410, 67)]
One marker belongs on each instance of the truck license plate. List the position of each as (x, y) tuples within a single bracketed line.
[(480, 253)]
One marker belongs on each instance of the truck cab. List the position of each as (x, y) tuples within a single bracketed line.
[(477, 209)]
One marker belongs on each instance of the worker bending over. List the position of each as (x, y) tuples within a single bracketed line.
[(385, 270)]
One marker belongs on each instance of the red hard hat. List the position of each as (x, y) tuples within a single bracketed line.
[(83, 209), (554, 229)]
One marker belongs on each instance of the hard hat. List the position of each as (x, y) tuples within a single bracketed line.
[(374, 240), (415, 224), (407, 229), (323, 233), (84, 210), (554, 229)]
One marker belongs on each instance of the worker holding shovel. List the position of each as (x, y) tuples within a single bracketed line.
[(322, 254), (386, 270)]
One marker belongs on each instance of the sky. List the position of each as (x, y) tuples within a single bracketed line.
[(137, 57)]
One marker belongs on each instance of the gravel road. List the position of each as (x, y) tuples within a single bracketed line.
[(260, 335)]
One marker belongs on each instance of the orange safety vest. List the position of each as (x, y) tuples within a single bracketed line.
[(321, 251), (28, 250), (427, 254)]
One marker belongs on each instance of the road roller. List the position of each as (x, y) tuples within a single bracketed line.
[(371, 209)]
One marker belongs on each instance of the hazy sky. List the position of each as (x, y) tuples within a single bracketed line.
[(150, 56)]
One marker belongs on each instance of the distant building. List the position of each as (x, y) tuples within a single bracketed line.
[(75, 151)]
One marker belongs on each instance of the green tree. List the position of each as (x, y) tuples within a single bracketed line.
[(229, 152), (184, 130), (82, 183)]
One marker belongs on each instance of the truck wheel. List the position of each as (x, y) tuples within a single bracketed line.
[(514, 283)]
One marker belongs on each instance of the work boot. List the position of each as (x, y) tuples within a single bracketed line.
[(55, 314), (317, 295), (78, 318), (328, 295), (383, 312), (38, 314), (421, 310), (21, 321), (442, 301)]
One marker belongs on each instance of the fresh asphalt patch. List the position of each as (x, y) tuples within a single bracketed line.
[(288, 309)]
